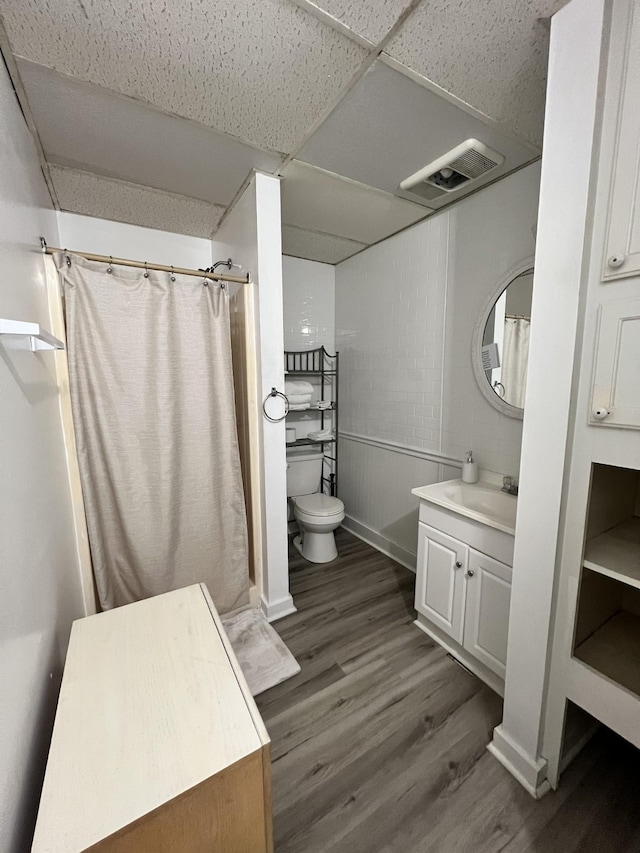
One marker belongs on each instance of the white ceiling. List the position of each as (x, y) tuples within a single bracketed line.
[(320, 201), (91, 128), (180, 99), (106, 198), (387, 127)]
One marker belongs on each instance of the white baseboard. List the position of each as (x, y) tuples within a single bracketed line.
[(277, 609), (530, 772), (380, 543)]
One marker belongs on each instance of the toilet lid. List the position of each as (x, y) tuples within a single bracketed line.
[(319, 504)]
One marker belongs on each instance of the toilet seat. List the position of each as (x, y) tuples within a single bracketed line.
[(319, 505)]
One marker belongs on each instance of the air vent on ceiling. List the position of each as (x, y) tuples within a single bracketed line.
[(457, 168)]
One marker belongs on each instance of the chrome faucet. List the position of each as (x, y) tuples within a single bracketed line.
[(510, 485)]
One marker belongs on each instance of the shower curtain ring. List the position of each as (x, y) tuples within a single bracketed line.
[(146, 271), (110, 267), (173, 277)]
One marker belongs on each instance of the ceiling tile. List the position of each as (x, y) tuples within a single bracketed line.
[(313, 246), (372, 20), (90, 128), (93, 195), (320, 201), (492, 55), (263, 72), (388, 126)]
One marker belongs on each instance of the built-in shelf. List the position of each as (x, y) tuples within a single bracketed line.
[(37, 337), (614, 650), (616, 553)]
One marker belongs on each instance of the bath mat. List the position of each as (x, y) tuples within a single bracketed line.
[(262, 655)]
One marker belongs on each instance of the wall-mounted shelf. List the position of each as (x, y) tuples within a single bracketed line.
[(38, 338), (616, 553)]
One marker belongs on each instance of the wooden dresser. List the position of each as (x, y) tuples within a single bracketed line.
[(158, 746)]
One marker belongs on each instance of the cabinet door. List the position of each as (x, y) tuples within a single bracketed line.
[(487, 611), (622, 256), (616, 387), (440, 585)]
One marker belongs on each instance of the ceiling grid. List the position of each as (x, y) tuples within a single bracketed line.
[(176, 101)]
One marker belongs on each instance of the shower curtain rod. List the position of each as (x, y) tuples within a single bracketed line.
[(123, 262)]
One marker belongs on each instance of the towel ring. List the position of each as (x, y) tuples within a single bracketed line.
[(275, 393)]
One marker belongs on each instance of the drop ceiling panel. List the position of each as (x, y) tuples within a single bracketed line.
[(371, 20), (388, 127), (500, 50), (313, 246), (90, 128), (319, 201), (92, 195), (263, 72)]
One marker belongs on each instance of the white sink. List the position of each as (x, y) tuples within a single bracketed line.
[(482, 501)]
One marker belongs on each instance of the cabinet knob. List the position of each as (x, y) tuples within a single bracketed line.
[(470, 573), (600, 414), (458, 565), (615, 261)]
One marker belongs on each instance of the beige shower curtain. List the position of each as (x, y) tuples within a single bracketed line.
[(152, 397), (515, 359)]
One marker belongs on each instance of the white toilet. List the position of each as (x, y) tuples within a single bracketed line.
[(317, 515)]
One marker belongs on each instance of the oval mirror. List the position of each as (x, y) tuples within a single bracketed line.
[(501, 343)]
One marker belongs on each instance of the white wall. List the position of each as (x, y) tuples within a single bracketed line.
[(405, 314), (308, 290), (490, 232), (40, 591), (104, 237), (390, 310)]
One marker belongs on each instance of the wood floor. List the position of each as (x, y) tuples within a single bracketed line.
[(378, 744)]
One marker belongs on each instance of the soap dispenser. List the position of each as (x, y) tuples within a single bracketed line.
[(469, 469)]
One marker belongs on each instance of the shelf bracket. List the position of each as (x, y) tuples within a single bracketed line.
[(38, 338)]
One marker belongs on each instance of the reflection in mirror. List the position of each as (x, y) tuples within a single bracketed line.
[(505, 342)]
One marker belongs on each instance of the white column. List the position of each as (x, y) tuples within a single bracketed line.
[(276, 598), (250, 234), (563, 229)]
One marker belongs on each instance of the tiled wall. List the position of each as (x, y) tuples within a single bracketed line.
[(309, 321), (309, 304), (490, 233), (405, 314), (390, 332)]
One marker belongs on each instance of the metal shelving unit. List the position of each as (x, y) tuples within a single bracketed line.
[(318, 362)]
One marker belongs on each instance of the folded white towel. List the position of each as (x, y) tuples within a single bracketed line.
[(321, 435), (299, 398), (298, 407), (293, 387)]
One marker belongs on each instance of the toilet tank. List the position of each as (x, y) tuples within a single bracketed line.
[(303, 473)]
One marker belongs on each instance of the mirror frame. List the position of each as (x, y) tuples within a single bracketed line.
[(478, 333)]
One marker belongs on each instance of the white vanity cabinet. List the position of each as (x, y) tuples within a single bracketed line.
[(440, 586), (463, 588), (486, 623)]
